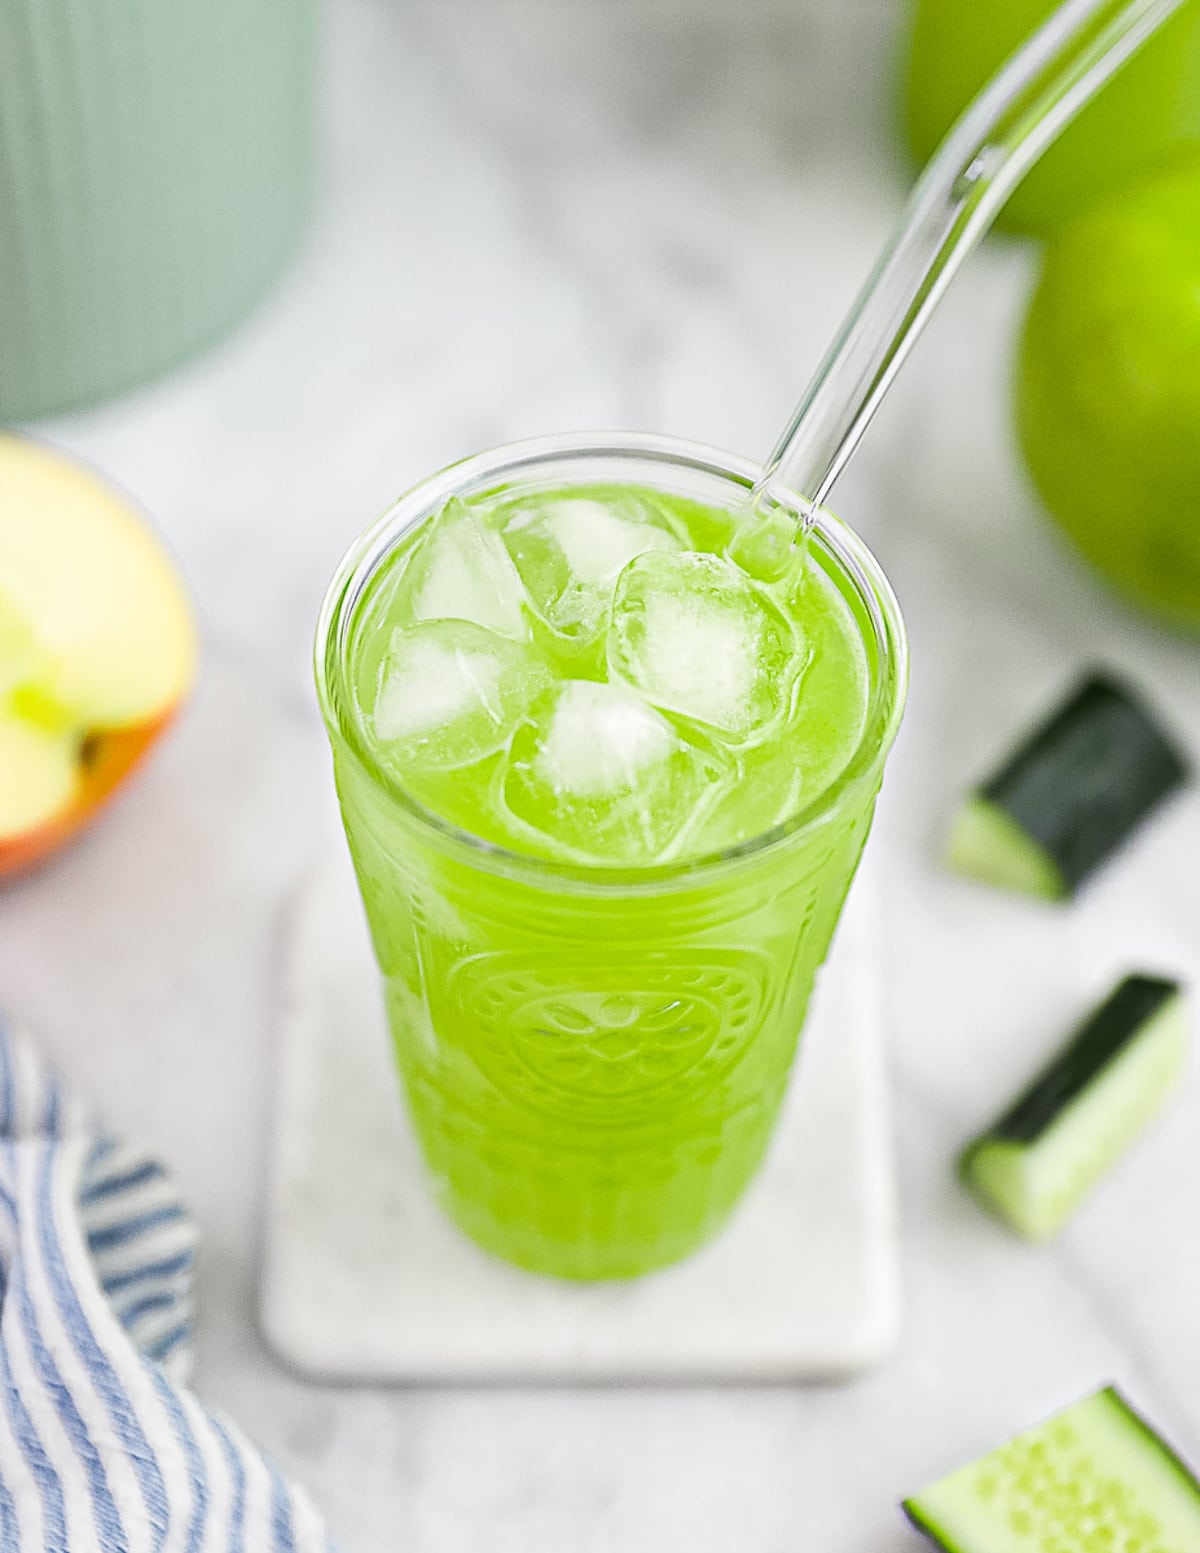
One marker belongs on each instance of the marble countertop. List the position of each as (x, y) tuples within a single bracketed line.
[(541, 215)]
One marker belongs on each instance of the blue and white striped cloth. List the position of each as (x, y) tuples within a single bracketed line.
[(102, 1450)]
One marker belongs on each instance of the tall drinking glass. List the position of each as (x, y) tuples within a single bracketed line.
[(594, 1057)]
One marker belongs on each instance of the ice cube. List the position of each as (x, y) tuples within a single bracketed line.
[(602, 777), (450, 693), (570, 551), (694, 636), (461, 571), (600, 740)]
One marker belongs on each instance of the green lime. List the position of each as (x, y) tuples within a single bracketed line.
[(1108, 390), (1150, 109)]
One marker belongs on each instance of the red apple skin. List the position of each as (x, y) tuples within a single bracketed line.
[(111, 758)]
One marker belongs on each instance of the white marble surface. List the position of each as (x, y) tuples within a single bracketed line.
[(364, 1278), (545, 214)]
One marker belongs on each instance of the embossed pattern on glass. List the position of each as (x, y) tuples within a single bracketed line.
[(594, 1062)]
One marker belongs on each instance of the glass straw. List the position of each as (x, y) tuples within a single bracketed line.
[(1015, 118)]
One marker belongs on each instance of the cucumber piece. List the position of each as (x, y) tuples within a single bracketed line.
[(1036, 1164), (1069, 796), (985, 843), (1095, 1478)]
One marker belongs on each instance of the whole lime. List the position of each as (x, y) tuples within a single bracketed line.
[(1148, 110), (1108, 388)]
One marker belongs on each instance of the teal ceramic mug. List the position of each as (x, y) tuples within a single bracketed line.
[(155, 159)]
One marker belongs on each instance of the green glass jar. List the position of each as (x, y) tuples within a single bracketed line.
[(1151, 108), (155, 160)]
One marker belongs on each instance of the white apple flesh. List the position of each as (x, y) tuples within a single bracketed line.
[(97, 646)]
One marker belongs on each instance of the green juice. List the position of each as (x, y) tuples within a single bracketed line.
[(605, 794)]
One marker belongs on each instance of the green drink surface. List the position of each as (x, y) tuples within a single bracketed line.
[(579, 674)]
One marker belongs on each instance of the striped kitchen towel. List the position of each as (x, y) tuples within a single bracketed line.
[(102, 1449)]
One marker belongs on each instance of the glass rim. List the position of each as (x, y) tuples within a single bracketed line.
[(376, 543)]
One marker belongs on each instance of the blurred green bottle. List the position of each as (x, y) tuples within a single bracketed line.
[(155, 162), (1152, 107)]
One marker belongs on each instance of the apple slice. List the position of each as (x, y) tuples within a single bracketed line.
[(80, 570), (41, 777), (97, 646)]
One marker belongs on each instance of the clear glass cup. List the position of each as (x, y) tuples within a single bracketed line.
[(594, 1058)]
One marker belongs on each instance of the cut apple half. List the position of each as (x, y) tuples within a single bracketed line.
[(97, 646), (40, 776)]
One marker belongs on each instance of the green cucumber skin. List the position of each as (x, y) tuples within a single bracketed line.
[(928, 1529), (1145, 1433), (1037, 1165), (1152, 1438), (1081, 783), (1107, 1032)]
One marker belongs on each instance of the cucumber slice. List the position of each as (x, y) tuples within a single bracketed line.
[(1069, 796), (1037, 1163), (1095, 1478), (988, 844)]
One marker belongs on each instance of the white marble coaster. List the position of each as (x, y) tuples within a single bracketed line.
[(364, 1280)]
